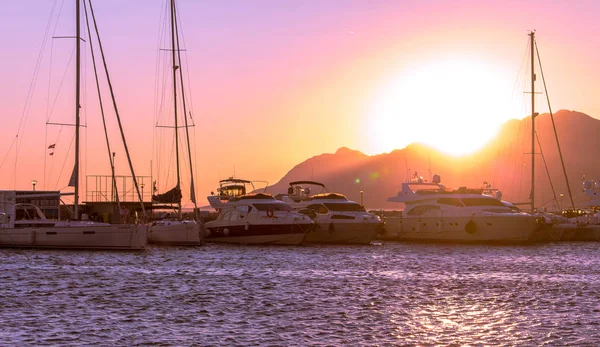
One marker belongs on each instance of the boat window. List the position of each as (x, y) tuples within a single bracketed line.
[(450, 201), (419, 210), (482, 202), (231, 215), (273, 207), (318, 208), (347, 207)]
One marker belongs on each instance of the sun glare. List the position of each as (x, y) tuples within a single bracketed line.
[(455, 105)]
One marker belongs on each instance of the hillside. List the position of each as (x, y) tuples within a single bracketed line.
[(504, 162)]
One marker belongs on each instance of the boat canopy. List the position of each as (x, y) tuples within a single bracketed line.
[(329, 196), (307, 182), (258, 196)]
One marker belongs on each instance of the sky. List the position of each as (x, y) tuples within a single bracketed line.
[(273, 83)]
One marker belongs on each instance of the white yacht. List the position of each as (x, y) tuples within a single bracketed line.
[(338, 220), (256, 219), (434, 213), (24, 225)]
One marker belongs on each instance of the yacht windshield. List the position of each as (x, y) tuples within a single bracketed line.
[(352, 207), (273, 207)]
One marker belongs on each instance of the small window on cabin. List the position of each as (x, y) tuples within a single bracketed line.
[(482, 202), (344, 207), (420, 210), (450, 201), (318, 208), (273, 207)]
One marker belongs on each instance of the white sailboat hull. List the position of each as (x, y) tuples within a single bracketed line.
[(109, 237), (487, 228), (176, 233)]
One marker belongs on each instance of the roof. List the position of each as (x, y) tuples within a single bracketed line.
[(307, 182), (233, 180), (258, 196)]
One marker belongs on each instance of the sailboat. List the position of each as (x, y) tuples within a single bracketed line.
[(572, 224), (176, 230), (23, 223)]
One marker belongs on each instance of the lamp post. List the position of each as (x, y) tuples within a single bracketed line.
[(561, 198), (142, 186), (361, 198), (33, 183)]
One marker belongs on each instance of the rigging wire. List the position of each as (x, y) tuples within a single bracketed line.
[(554, 127), (187, 133), (32, 84), (546, 166), (134, 177), (110, 158)]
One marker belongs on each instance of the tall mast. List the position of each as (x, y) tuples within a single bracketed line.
[(175, 67), (532, 34), (77, 123)]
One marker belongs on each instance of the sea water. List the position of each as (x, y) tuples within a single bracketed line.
[(377, 295)]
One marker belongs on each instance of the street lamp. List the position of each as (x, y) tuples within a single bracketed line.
[(142, 186), (361, 198), (33, 183), (561, 198)]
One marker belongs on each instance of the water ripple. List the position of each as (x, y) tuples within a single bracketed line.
[(396, 294)]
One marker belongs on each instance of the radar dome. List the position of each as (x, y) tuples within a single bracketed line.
[(436, 179), (587, 185)]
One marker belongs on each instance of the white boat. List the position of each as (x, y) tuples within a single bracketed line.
[(256, 219), (338, 220), (434, 213), (177, 231), (25, 225)]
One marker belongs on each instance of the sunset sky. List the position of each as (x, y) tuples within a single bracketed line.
[(276, 82)]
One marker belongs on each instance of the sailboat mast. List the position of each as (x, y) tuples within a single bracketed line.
[(175, 67), (77, 92), (532, 35), (187, 129)]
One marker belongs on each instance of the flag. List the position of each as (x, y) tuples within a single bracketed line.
[(51, 153), (73, 179), (52, 146)]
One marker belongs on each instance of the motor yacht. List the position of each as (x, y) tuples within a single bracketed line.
[(256, 219), (434, 213), (338, 220)]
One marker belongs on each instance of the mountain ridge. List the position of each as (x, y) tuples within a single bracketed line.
[(503, 162)]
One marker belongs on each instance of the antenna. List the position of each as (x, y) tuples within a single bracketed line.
[(407, 169), (429, 158)]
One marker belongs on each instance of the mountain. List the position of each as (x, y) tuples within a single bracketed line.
[(504, 162)]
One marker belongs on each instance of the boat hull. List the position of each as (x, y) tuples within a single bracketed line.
[(463, 229), (343, 233), (175, 233), (110, 237), (258, 234)]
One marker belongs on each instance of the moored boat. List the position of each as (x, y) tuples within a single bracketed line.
[(256, 219), (338, 220), (435, 213)]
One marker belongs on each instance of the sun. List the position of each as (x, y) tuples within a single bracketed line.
[(455, 105)]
